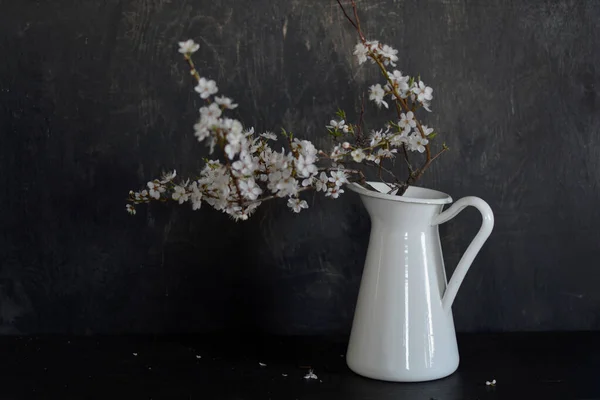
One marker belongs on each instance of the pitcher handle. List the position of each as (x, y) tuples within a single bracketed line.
[(466, 260)]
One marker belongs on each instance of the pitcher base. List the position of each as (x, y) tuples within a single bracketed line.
[(402, 376)]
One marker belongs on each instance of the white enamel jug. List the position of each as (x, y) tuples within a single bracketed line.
[(403, 329)]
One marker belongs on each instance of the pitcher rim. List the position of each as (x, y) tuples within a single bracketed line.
[(433, 196)]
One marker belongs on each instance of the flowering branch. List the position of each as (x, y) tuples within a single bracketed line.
[(401, 89), (250, 171)]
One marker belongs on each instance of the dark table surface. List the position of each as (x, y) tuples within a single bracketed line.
[(525, 366)]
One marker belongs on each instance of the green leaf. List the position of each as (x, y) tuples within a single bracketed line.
[(335, 133), (341, 113), (432, 135), (284, 132)]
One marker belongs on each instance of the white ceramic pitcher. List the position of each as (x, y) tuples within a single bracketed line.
[(403, 329)]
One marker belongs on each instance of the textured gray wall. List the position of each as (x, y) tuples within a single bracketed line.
[(95, 100)]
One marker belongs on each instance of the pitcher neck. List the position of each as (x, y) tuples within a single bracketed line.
[(400, 213)]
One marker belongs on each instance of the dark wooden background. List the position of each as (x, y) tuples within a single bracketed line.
[(95, 100)]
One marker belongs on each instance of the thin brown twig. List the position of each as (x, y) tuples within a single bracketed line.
[(382, 168), (346, 15), (396, 184), (410, 167), (444, 149), (190, 62), (359, 133), (362, 37), (427, 164)]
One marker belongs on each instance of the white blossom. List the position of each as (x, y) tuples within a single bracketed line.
[(130, 209), (338, 178), (282, 183), (361, 52), (296, 204), (234, 210), (225, 102), (211, 113), (490, 383), (168, 177), (334, 192), (308, 181), (307, 157), (235, 141), (389, 55), (246, 165), (232, 149), (231, 125), (206, 88), (341, 125), (202, 129), (250, 208), (136, 196), (249, 189), (385, 153), (358, 155), (156, 188), (399, 139), (371, 157), (305, 148), (376, 138), (180, 194), (269, 136), (211, 143), (195, 196), (311, 375), (422, 92), (321, 182), (417, 142), (305, 167), (426, 130), (338, 153), (287, 187), (407, 121), (188, 47), (400, 82), (376, 93), (372, 45)]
